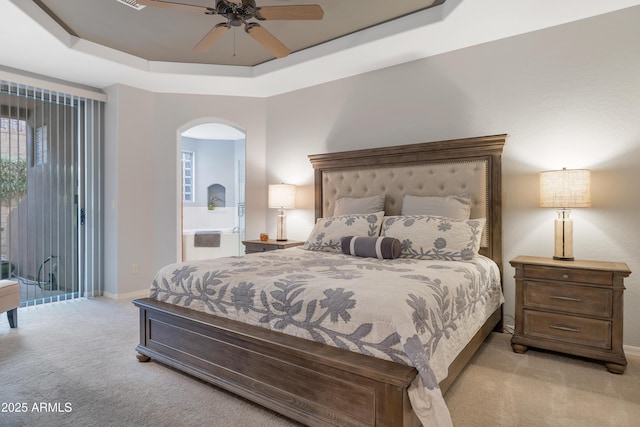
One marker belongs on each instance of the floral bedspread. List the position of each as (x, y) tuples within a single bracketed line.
[(417, 312)]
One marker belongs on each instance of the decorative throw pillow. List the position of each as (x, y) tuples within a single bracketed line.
[(358, 205), (327, 232), (371, 247), (435, 237), (457, 207)]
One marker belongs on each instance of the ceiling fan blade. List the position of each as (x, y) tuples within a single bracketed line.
[(211, 37), (267, 40), (177, 6), (302, 12)]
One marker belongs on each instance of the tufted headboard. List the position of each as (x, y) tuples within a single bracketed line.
[(440, 168)]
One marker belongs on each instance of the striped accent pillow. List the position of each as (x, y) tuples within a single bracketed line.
[(371, 247)]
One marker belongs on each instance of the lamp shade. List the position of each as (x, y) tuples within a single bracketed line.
[(282, 196), (565, 188)]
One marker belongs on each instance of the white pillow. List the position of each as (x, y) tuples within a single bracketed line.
[(327, 232), (456, 207), (358, 205), (435, 237)]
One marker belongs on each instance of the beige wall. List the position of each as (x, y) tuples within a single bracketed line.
[(142, 206), (568, 96), (128, 189)]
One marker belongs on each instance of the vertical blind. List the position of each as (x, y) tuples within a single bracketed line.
[(50, 193)]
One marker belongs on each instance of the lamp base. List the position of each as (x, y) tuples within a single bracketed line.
[(563, 236), (559, 258), (281, 230)]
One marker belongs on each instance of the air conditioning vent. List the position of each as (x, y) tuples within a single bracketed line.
[(132, 3)]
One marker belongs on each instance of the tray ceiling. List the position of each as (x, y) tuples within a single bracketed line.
[(53, 40), (167, 35)]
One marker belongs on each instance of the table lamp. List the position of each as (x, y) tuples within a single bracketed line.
[(281, 197), (565, 189)]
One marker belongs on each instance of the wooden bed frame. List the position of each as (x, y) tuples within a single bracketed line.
[(324, 385)]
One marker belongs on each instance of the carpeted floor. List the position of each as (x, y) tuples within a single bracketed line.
[(74, 364), (503, 388)]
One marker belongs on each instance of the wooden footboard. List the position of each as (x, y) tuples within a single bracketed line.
[(313, 383)]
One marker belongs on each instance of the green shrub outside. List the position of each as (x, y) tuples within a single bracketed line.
[(13, 179)]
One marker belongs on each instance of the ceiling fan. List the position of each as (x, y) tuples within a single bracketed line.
[(238, 12)]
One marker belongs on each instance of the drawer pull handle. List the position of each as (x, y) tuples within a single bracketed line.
[(561, 298), (565, 276), (564, 328)]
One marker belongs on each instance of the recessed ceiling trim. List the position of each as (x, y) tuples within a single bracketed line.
[(39, 46), (57, 20)]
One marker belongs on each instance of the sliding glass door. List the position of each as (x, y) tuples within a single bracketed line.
[(50, 193)]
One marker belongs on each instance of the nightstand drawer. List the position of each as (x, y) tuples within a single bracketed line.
[(568, 275), (568, 298), (569, 329), (257, 247)]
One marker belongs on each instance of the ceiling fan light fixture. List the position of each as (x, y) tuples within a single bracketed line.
[(235, 20), (239, 12)]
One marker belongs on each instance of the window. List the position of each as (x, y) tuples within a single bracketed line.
[(52, 240), (188, 177), (9, 125), (41, 152)]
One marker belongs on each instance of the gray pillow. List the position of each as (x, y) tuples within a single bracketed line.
[(371, 247), (456, 207), (358, 205)]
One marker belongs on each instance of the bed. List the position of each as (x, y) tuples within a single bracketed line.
[(262, 356)]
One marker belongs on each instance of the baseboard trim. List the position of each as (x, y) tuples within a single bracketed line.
[(131, 295), (631, 350)]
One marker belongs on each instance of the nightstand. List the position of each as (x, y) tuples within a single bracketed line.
[(573, 307), (254, 246)]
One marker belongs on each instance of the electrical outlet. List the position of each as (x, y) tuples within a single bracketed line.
[(135, 269)]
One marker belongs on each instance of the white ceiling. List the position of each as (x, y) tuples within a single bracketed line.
[(32, 41)]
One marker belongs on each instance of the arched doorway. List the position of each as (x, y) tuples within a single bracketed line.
[(212, 172)]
